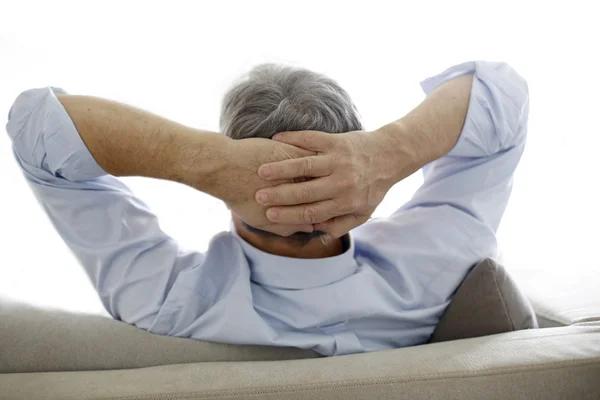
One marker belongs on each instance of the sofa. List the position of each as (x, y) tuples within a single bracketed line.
[(490, 344)]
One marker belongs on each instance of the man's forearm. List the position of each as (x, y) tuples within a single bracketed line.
[(127, 141), (429, 131)]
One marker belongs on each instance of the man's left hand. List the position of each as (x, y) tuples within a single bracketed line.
[(353, 172)]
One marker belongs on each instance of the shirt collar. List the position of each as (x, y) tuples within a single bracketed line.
[(297, 273)]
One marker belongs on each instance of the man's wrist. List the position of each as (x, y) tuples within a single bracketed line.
[(430, 130), (199, 158), (403, 153)]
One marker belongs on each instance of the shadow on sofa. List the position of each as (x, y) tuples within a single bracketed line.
[(39, 340)]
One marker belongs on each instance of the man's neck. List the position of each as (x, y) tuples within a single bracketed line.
[(315, 248)]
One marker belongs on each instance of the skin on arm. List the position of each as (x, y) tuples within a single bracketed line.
[(127, 141), (131, 262), (355, 170)]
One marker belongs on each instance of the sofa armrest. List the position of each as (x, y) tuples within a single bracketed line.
[(560, 296)]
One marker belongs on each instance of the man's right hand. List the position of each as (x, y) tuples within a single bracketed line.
[(238, 181)]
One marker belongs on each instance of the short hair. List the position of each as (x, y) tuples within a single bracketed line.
[(274, 98)]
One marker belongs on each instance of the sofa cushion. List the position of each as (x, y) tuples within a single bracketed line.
[(536, 364), (487, 302), (560, 296)]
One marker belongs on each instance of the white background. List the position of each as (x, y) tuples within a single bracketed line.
[(176, 59)]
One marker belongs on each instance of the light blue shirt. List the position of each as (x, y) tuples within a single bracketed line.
[(387, 290)]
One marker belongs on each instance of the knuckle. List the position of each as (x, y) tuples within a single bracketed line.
[(346, 183), (307, 166), (346, 163), (346, 205), (354, 204), (306, 194), (350, 204), (310, 215)]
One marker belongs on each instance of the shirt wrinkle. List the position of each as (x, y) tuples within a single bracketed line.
[(387, 290)]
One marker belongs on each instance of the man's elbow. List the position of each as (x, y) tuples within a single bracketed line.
[(506, 95), (517, 91), (21, 127)]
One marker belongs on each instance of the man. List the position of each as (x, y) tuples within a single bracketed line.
[(288, 273)]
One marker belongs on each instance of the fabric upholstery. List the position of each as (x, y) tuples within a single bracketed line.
[(552, 295), (36, 340), (487, 302), (538, 364)]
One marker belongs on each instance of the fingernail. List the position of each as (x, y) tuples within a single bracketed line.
[(265, 172), (262, 198), (277, 136), (272, 214)]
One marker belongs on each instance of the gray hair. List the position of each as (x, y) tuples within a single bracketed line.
[(275, 98)]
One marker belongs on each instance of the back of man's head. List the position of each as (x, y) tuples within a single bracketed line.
[(275, 98)]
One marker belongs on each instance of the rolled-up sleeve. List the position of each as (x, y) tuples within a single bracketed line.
[(476, 176), (45, 138), (498, 108), (450, 222), (131, 262)]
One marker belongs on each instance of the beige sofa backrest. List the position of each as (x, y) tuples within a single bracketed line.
[(36, 340)]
